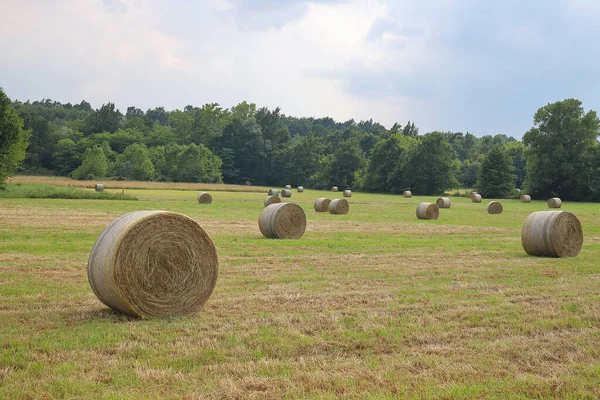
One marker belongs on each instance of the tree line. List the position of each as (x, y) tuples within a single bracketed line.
[(558, 156)]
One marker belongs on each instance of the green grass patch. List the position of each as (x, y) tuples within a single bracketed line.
[(20, 191)]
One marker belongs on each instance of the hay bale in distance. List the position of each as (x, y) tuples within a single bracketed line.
[(273, 192), (473, 194), (153, 264), (552, 234), (347, 193), (443, 202), (272, 200), (248, 183), (282, 221), (334, 189), (427, 211), (554, 202), (286, 193), (339, 206), (322, 204), (300, 189), (99, 187), (476, 198), (525, 198), (494, 207), (407, 194), (204, 198), (287, 187)]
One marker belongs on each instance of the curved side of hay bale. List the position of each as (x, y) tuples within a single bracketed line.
[(554, 202), (552, 234), (273, 192), (525, 198), (427, 211), (347, 193), (153, 264), (300, 189), (339, 206), (322, 204), (473, 193), (334, 189), (287, 187), (286, 193), (476, 198), (443, 202), (272, 200), (494, 207), (407, 194), (99, 187), (204, 198), (282, 221)]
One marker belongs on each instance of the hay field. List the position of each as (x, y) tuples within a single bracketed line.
[(372, 304)]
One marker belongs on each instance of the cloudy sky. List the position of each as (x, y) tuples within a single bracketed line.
[(463, 65)]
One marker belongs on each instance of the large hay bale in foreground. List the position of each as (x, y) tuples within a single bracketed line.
[(427, 211), (282, 221), (99, 187), (153, 264), (347, 193), (525, 198), (287, 187), (407, 194), (552, 234), (286, 193), (300, 189), (339, 206), (272, 200), (554, 202), (476, 198), (443, 202), (273, 192), (322, 204), (494, 207), (204, 198), (334, 189)]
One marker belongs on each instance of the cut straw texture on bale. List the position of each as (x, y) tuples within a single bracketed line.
[(273, 192), (427, 211), (153, 264), (272, 200), (552, 234), (407, 194), (334, 189), (287, 187), (300, 189), (204, 198), (347, 193), (282, 221), (554, 202), (476, 198), (525, 198), (322, 204), (443, 202), (339, 206), (99, 187), (286, 193), (494, 207)]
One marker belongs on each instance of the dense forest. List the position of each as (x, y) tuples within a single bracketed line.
[(559, 156)]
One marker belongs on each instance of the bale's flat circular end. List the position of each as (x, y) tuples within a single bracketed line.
[(407, 194), (525, 198), (272, 200), (204, 198), (153, 264), (282, 221), (334, 189), (554, 202), (347, 193), (427, 211), (286, 193), (322, 204), (339, 206), (552, 234), (300, 189), (443, 202), (494, 207)]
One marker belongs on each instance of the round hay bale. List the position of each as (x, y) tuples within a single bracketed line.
[(554, 202), (153, 264), (339, 206), (427, 211), (476, 198), (347, 193), (407, 194), (287, 187), (300, 189), (99, 187), (552, 234), (273, 192), (272, 200), (248, 183), (473, 194), (334, 189), (322, 204), (204, 198), (494, 207), (282, 221), (286, 193), (525, 198), (442, 202)]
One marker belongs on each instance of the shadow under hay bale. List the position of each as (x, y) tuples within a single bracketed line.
[(282, 221), (443, 202), (427, 211), (322, 204), (272, 200), (339, 206), (153, 264), (554, 202), (494, 207), (552, 234), (347, 193), (204, 198)]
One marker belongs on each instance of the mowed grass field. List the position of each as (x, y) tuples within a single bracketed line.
[(373, 304)]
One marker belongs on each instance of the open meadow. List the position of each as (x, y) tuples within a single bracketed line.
[(372, 304)]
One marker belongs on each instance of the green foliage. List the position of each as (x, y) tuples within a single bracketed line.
[(516, 151), (467, 174), (385, 171), (135, 163), (105, 119), (13, 138), (94, 165), (57, 192), (196, 163), (496, 178), (66, 158)]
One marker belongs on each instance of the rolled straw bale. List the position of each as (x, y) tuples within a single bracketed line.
[(407, 194), (286, 193), (525, 198), (153, 264), (287, 187), (442, 202), (427, 211), (272, 200), (473, 194), (347, 193), (476, 198), (273, 192), (334, 189), (338, 206), (554, 202), (494, 207), (300, 189), (322, 204), (552, 234), (282, 221), (204, 198), (99, 187), (248, 183)]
